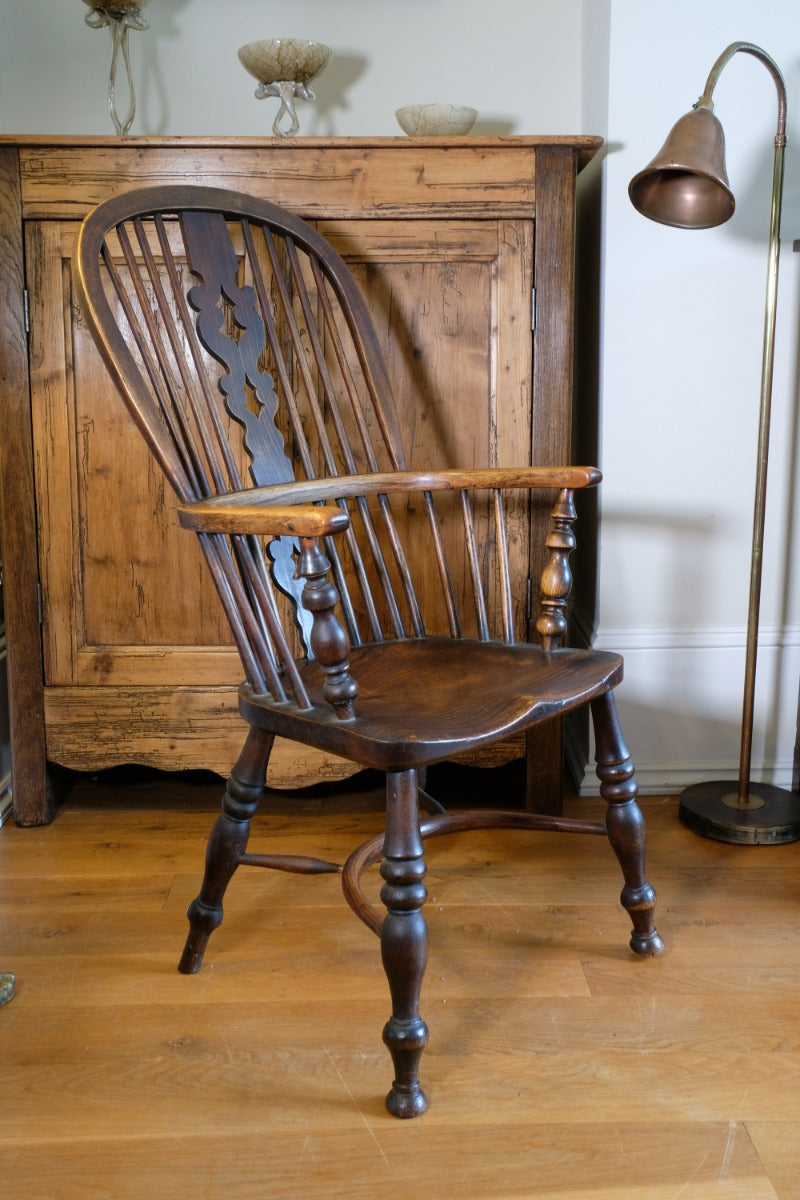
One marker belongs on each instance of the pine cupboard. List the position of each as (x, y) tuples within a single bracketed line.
[(465, 250)]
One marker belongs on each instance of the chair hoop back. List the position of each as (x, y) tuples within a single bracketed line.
[(243, 348)]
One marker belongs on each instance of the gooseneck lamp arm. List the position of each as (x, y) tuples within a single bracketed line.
[(765, 405), (685, 185)]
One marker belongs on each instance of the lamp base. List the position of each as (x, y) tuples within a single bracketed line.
[(771, 815)]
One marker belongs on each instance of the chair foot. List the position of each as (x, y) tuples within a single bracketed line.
[(404, 942), (406, 1041), (639, 904), (647, 945), (203, 921), (626, 834), (400, 1105), (625, 825), (226, 845)]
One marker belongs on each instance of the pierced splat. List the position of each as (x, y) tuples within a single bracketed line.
[(212, 259), (283, 554)]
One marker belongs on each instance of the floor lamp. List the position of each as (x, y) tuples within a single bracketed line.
[(686, 186)]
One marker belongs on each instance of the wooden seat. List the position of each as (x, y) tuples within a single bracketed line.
[(377, 609), (462, 694)]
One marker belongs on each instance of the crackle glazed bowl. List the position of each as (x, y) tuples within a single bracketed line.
[(274, 60), (436, 120)]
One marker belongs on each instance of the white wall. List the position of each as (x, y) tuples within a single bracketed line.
[(682, 339), (53, 69), (682, 312)]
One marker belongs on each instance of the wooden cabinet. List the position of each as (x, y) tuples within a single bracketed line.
[(118, 651)]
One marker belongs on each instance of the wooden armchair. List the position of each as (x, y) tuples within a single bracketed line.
[(375, 609)]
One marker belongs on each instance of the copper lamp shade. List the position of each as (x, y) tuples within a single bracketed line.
[(686, 184)]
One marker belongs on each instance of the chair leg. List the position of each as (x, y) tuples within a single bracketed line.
[(404, 941), (625, 823), (226, 845)]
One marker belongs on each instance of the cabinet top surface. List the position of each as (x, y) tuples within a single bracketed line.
[(373, 177), (585, 146), (587, 141)]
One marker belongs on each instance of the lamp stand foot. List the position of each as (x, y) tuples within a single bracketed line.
[(770, 816)]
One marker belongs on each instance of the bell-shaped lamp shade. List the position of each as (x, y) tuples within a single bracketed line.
[(686, 184)]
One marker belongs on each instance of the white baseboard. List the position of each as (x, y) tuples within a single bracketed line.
[(680, 706), (709, 637), (669, 780)]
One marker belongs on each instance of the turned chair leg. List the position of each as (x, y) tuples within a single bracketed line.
[(226, 845), (404, 941), (625, 823)]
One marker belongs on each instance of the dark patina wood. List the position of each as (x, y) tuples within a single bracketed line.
[(17, 511), (373, 606)]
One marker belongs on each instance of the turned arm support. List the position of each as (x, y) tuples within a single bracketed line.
[(556, 579), (329, 642)]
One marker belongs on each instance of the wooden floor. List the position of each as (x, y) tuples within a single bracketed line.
[(559, 1066)]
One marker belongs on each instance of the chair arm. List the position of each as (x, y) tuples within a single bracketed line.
[(220, 513), (244, 513)]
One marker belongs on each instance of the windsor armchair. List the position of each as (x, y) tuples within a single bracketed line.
[(373, 606)]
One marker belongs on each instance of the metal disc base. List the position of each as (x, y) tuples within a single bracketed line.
[(771, 815)]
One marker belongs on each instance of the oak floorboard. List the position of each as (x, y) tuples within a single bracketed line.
[(778, 1147), (559, 1066), (549, 1162)]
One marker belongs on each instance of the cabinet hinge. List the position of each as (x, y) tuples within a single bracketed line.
[(27, 310), (533, 308), (529, 599)]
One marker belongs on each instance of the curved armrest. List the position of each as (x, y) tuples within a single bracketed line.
[(294, 507), (240, 512)]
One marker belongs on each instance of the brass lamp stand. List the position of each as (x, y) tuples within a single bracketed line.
[(686, 186)]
